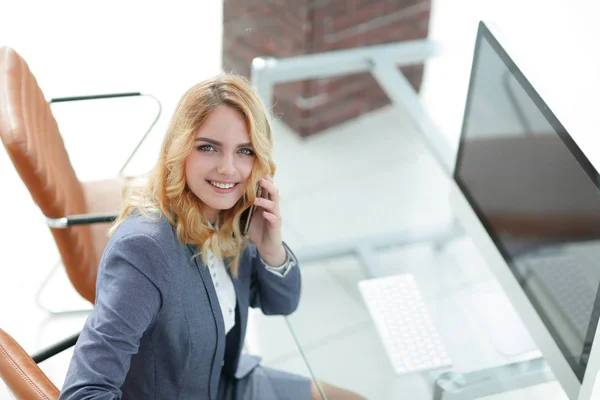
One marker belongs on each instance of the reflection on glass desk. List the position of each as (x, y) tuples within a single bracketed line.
[(477, 324)]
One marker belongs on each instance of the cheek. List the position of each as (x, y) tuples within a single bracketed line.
[(246, 168), (195, 165), (194, 170)]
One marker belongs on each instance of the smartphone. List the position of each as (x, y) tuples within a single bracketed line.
[(246, 217)]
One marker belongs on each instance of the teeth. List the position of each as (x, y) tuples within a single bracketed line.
[(222, 185)]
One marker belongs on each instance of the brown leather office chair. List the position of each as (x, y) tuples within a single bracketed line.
[(78, 213), (21, 374)]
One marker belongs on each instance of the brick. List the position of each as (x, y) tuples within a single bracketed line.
[(361, 16), (281, 28)]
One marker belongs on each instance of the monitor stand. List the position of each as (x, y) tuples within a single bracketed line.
[(491, 381), (503, 326), (509, 337)]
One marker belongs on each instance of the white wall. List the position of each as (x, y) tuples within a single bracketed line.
[(82, 47), (556, 42)]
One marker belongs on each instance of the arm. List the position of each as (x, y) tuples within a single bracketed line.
[(274, 293), (128, 300), (81, 219)]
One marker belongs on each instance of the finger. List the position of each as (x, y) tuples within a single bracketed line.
[(271, 189), (268, 205), (272, 218)]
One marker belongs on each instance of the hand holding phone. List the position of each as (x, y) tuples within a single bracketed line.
[(265, 231)]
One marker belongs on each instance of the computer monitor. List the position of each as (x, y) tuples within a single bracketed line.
[(529, 198)]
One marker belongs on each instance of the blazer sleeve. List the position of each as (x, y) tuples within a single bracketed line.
[(275, 294), (128, 300)]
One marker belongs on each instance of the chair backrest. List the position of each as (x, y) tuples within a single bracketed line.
[(30, 134), (21, 374)]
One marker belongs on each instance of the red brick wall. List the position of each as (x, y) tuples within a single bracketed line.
[(284, 28)]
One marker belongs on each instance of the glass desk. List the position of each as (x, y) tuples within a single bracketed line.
[(340, 345)]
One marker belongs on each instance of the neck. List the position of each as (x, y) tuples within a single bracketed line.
[(212, 217)]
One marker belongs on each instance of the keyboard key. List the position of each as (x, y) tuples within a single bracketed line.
[(403, 323)]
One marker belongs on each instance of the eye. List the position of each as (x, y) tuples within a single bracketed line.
[(205, 147), (247, 151)]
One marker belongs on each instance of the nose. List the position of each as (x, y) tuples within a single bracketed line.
[(226, 165)]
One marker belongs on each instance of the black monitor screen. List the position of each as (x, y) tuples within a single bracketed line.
[(536, 194)]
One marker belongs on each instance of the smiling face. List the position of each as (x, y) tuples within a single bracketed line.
[(220, 163)]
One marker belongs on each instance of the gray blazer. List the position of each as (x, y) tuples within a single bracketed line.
[(156, 331)]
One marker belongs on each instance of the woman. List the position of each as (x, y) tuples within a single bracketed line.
[(177, 277)]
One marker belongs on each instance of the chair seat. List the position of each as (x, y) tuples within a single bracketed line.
[(21, 374)]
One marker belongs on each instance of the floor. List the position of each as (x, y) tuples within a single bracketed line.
[(367, 177)]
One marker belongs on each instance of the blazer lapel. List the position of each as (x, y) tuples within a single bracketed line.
[(218, 316), (210, 290)]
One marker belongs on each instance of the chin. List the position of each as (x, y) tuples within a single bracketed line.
[(221, 205), (218, 202)]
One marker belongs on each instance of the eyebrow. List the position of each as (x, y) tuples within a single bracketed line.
[(215, 142)]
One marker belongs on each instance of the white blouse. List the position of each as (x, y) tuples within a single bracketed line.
[(224, 285)]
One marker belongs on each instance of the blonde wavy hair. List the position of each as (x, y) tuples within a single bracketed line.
[(166, 192)]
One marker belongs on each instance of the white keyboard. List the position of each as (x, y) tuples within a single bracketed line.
[(405, 327)]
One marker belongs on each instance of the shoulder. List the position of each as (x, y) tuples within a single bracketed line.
[(154, 226), (143, 236), (144, 243)]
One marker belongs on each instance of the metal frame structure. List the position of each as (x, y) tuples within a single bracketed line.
[(382, 61), (115, 96), (92, 218)]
